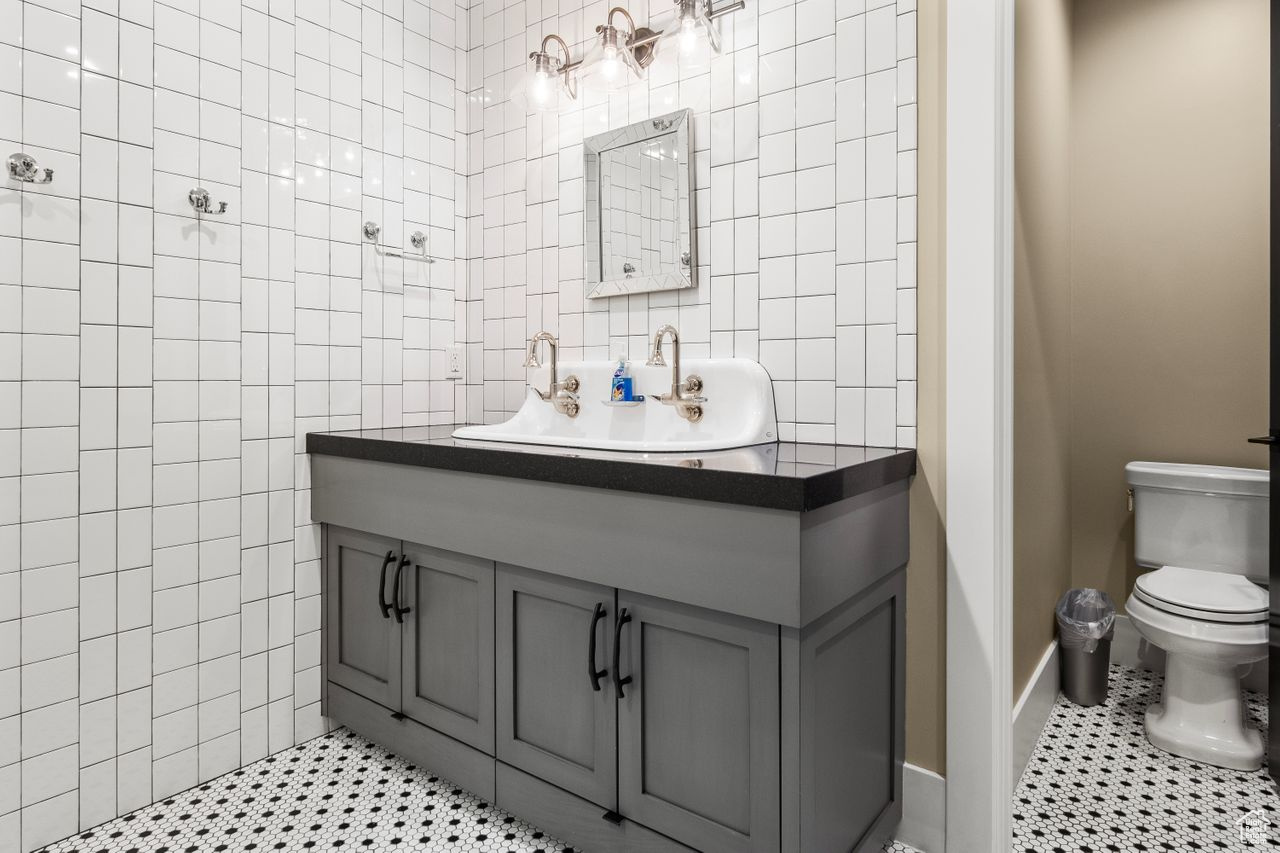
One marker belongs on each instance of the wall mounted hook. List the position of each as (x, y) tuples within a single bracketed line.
[(202, 203), (23, 167)]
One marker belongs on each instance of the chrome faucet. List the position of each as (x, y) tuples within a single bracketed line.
[(562, 395), (685, 395)]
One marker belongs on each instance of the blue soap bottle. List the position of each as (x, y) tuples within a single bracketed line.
[(621, 390)]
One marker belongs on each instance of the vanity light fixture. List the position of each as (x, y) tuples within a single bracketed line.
[(611, 61), (634, 48), (550, 75), (694, 22)]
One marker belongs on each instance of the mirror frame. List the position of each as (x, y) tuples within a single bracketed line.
[(679, 124)]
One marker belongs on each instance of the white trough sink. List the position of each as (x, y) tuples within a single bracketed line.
[(738, 411)]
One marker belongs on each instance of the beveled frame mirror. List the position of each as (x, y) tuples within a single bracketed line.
[(639, 207)]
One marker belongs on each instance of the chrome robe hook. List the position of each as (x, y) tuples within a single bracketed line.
[(202, 203), (23, 167)]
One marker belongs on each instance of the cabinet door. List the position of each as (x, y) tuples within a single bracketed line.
[(698, 727), (362, 639), (553, 722), (448, 643)]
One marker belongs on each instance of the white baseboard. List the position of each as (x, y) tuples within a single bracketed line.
[(924, 810), (924, 793), (1130, 649), (1032, 710)]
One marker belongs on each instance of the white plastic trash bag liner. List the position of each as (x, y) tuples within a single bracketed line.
[(1085, 616)]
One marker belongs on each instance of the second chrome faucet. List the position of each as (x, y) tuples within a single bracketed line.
[(686, 394)]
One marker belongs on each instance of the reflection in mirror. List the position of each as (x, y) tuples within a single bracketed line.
[(639, 208)]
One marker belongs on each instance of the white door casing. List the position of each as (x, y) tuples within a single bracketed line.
[(979, 428)]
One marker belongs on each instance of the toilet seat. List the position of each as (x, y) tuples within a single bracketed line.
[(1199, 594)]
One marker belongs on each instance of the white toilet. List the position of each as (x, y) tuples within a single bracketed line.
[(1203, 530)]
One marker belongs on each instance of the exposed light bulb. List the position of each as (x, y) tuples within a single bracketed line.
[(541, 89), (610, 57), (688, 35)]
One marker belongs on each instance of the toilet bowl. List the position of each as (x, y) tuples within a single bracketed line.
[(1203, 529), (1201, 715)]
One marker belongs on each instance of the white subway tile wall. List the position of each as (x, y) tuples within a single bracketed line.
[(804, 137), (159, 571)]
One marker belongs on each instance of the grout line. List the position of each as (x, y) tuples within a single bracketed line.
[(21, 435)]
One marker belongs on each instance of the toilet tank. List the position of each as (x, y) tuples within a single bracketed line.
[(1200, 517)]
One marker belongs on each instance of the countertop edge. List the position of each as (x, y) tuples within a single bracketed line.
[(766, 491)]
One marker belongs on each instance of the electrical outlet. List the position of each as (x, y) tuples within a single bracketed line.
[(453, 362)]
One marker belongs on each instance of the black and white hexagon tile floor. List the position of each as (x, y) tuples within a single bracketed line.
[(336, 792), (1095, 784)]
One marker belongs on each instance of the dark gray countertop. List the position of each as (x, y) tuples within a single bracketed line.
[(783, 475)]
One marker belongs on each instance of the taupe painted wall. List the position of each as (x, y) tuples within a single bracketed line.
[(926, 573), (1166, 301), (1042, 344), (1169, 248)]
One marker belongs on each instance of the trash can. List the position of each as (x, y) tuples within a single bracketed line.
[(1086, 623)]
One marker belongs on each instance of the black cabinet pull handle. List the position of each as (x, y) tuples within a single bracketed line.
[(382, 586), (618, 680), (613, 817), (592, 672), (395, 590), (1266, 439), (398, 716)]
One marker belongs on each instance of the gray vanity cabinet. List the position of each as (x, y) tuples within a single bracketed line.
[(557, 719), (410, 628), (362, 640), (698, 725), (708, 677), (448, 644)]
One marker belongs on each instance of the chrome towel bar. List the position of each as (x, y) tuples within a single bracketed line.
[(417, 239)]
